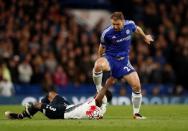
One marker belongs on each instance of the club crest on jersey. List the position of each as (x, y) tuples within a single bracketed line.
[(127, 31)]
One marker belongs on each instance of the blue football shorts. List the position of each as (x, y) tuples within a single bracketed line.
[(120, 66)]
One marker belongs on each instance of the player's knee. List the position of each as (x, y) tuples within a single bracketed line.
[(101, 64), (98, 67), (136, 88)]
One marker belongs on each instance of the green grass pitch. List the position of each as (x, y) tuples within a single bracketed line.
[(117, 118)]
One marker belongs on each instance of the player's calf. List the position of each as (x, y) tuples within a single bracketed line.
[(12, 115), (30, 110)]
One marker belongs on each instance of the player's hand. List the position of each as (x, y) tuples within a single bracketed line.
[(148, 39)]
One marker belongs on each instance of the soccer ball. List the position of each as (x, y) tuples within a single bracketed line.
[(94, 112)]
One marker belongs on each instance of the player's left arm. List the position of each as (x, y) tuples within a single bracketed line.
[(147, 38)]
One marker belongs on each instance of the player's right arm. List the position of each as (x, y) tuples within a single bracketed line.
[(101, 51), (102, 45)]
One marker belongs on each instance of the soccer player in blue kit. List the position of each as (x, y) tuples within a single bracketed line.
[(113, 55)]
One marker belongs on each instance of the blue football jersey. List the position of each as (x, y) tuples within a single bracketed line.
[(117, 43)]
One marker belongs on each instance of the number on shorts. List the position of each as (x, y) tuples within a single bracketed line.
[(127, 68)]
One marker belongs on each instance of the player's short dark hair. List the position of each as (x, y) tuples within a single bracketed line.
[(117, 16)]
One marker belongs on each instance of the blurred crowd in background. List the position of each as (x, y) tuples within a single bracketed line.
[(40, 40)]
